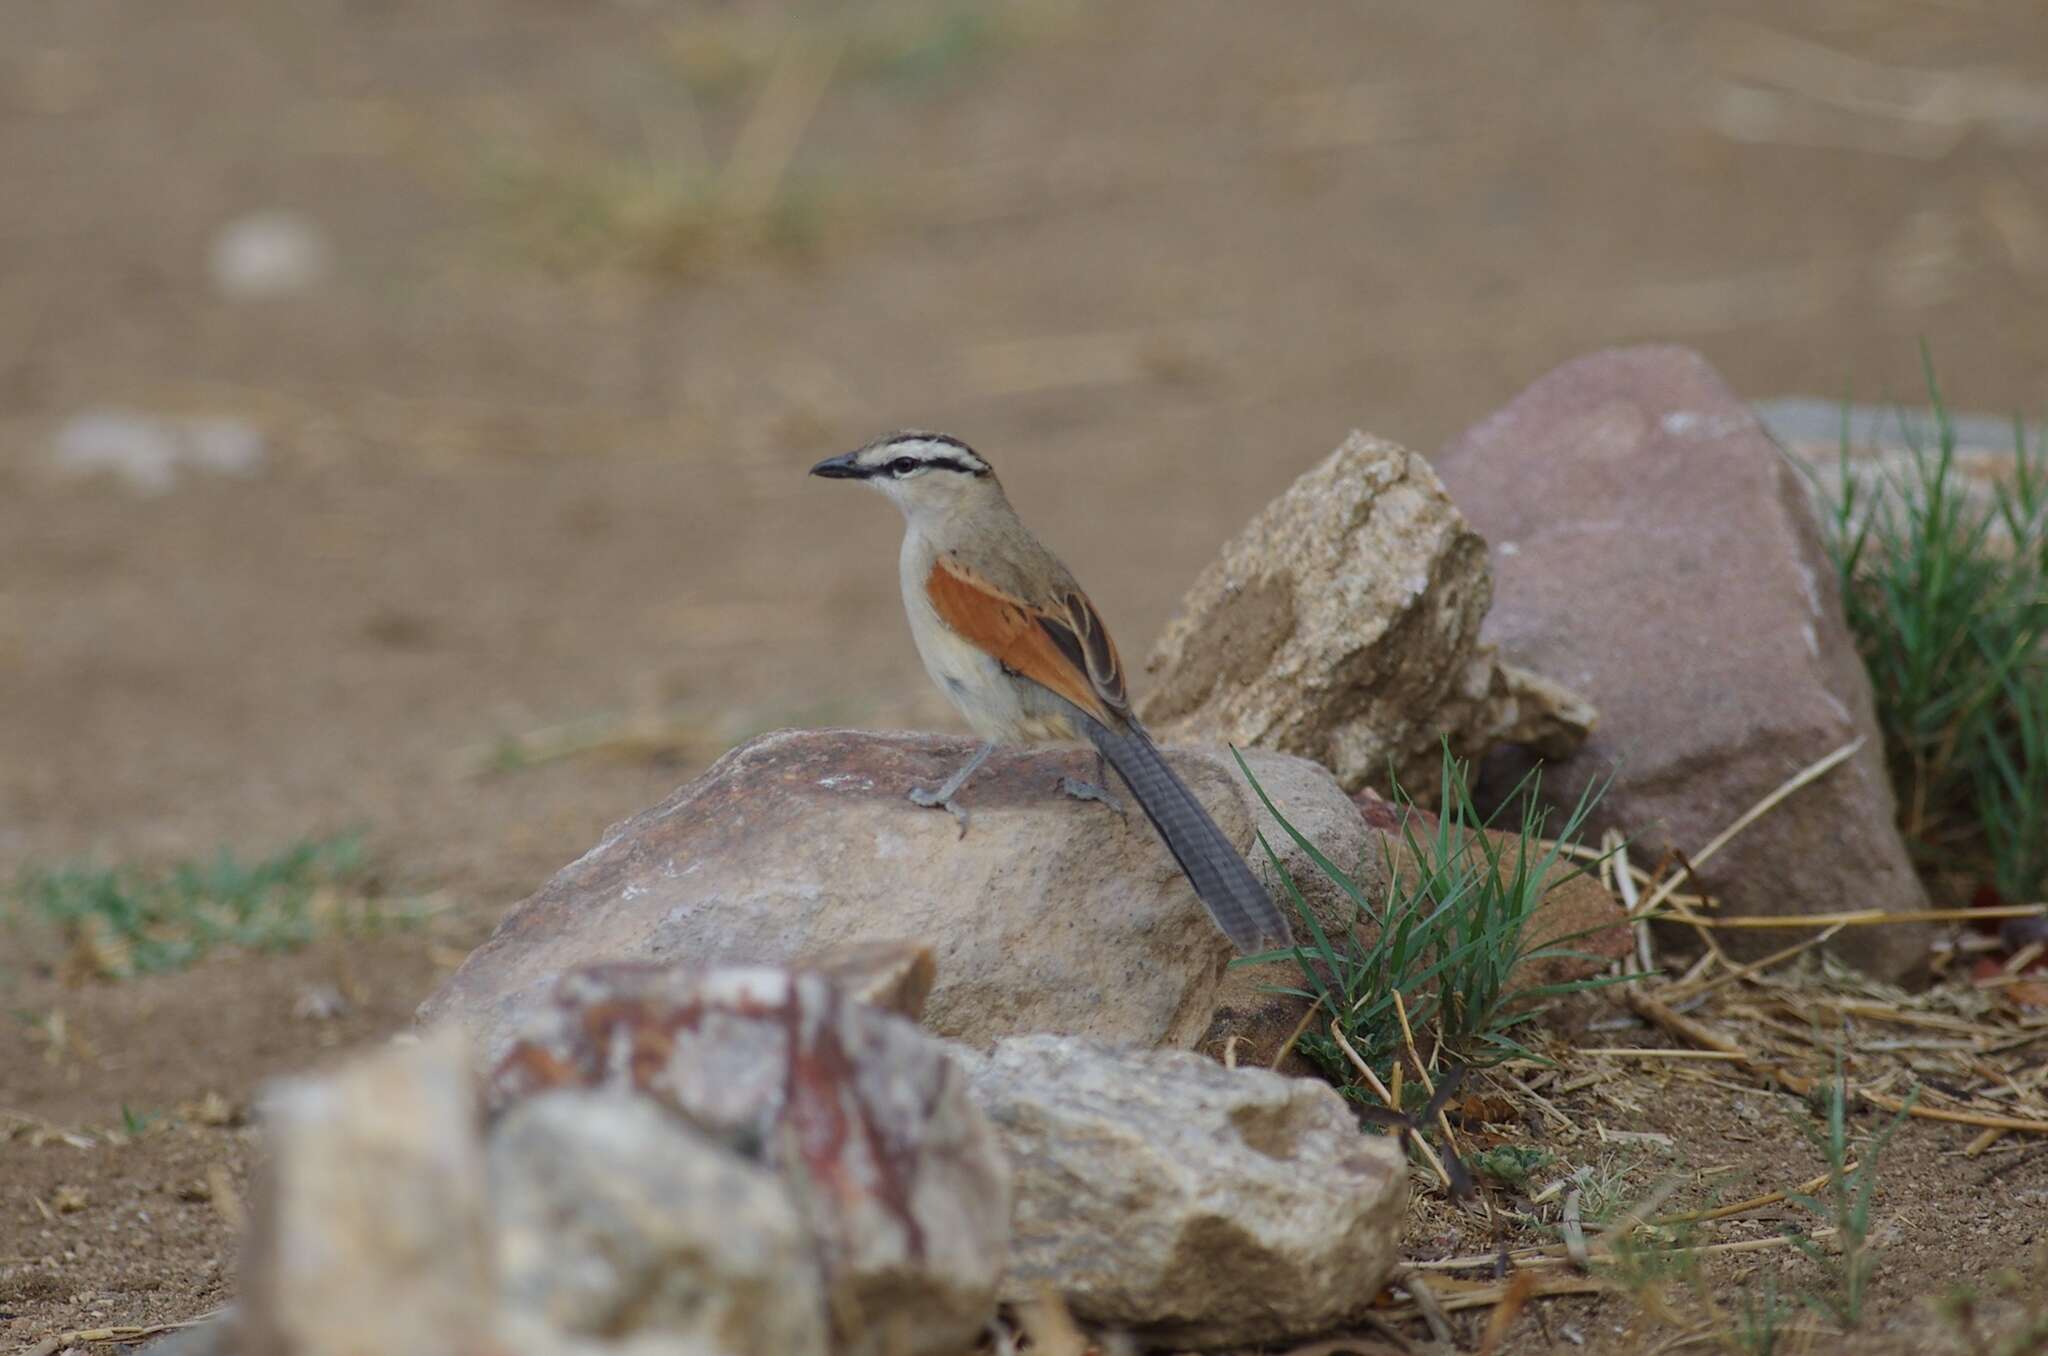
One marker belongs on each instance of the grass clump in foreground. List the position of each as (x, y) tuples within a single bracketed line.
[(123, 922), (1947, 597), (1853, 1261), (1448, 940)]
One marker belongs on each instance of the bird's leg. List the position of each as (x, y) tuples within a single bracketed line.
[(1095, 790), (942, 796)]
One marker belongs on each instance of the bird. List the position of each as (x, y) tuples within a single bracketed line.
[(1015, 645)]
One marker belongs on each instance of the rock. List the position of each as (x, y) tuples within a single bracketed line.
[(146, 452), (1050, 915), (1653, 550), (526, 1338), (219, 1335), (268, 254), (893, 976), (898, 1177), (368, 1233), (1343, 625), (1197, 1205), (617, 1220)]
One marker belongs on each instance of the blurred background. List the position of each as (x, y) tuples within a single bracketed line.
[(404, 409)]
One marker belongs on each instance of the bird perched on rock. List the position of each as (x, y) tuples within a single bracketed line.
[(1012, 641)]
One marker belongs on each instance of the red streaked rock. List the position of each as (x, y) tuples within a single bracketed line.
[(866, 1117)]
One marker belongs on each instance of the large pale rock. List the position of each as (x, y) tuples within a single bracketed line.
[(1197, 1205), (1654, 550), (1343, 625), (1051, 914), (899, 1179), (618, 1220), (368, 1233)]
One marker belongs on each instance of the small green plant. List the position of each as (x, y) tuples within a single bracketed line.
[(134, 1122), (1513, 1164), (1760, 1319), (1946, 593), (1449, 939), (125, 922), (1654, 1266), (1846, 1205)]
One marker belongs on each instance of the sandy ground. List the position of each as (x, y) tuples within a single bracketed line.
[(535, 442)]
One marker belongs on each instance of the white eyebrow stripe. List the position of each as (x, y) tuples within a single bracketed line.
[(933, 449)]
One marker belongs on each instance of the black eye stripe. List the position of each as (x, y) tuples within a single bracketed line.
[(934, 451), (902, 466)]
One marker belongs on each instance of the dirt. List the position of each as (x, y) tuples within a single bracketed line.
[(530, 472)]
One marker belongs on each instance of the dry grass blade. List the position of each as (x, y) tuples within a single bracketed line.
[(1380, 1090), (1863, 918), (1632, 1052), (1506, 1312), (1805, 1188), (1294, 1036), (1700, 1034), (1427, 1306), (124, 1333), (1554, 1255), (1456, 1296), (1572, 1228), (1678, 993), (1811, 772), (1935, 1113)]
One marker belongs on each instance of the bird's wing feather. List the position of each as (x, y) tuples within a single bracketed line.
[(1063, 647)]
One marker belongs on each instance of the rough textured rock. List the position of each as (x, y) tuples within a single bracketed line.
[(1050, 915), (1198, 1205), (1343, 625), (898, 1177), (1653, 550), (893, 976), (368, 1233), (615, 1219)]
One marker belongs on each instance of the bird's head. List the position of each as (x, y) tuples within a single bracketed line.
[(928, 475)]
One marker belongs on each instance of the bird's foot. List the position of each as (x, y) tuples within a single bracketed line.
[(938, 799), (1081, 790)]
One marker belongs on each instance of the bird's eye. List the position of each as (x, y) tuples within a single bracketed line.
[(903, 466)]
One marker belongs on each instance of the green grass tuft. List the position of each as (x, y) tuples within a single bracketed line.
[(126, 922), (1846, 1205), (1947, 596), (1448, 938), (1760, 1318)]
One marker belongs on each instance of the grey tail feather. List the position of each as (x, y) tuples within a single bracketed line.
[(1225, 885)]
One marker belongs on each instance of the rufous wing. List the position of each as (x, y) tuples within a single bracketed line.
[(1065, 649)]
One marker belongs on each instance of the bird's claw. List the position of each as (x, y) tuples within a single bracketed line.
[(932, 800), (1081, 790)]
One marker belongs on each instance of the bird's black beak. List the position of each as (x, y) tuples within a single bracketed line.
[(842, 467)]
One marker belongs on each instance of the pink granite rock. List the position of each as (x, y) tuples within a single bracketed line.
[(1653, 550)]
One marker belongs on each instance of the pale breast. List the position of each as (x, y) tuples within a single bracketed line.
[(996, 704)]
